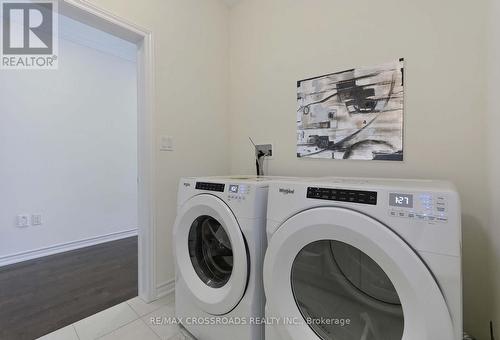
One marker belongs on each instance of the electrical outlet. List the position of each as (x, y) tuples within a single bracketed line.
[(36, 219), (267, 149), (22, 221)]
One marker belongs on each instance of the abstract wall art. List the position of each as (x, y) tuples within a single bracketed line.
[(353, 114)]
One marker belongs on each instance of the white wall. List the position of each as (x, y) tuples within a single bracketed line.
[(68, 144), (274, 43), (192, 83)]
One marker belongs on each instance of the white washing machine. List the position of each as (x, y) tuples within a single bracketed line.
[(219, 243), (355, 259)]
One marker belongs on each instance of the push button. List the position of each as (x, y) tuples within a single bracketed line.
[(421, 217)]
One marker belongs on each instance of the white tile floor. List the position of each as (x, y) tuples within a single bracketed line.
[(130, 320)]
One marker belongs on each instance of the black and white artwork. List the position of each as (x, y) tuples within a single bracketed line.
[(354, 114)]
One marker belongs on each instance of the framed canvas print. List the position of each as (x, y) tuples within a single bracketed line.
[(353, 114)]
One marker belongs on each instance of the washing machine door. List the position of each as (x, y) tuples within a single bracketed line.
[(211, 254), (336, 274)]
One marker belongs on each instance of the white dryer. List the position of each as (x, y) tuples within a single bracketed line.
[(356, 259), (219, 244)]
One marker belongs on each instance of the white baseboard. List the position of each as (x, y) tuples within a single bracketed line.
[(166, 288), (63, 247)]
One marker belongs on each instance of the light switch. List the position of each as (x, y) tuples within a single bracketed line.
[(167, 143)]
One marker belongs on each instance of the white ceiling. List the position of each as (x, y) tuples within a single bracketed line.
[(231, 3)]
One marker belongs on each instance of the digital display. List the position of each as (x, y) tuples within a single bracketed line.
[(233, 189), (401, 200)]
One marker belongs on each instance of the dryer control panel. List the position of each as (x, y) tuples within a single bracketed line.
[(426, 207), (343, 195), (218, 187)]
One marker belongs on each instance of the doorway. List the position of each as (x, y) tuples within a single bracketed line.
[(89, 14)]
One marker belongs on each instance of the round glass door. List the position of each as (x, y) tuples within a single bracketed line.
[(343, 294), (210, 251), (211, 255)]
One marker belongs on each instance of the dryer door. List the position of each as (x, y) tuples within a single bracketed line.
[(211, 254), (336, 274)]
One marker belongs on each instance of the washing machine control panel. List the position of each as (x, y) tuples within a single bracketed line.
[(238, 192), (425, 207)]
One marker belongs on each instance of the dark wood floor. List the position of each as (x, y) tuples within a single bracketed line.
[(42, 295)]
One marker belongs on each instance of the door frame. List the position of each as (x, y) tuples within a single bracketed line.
[(86, 12)]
